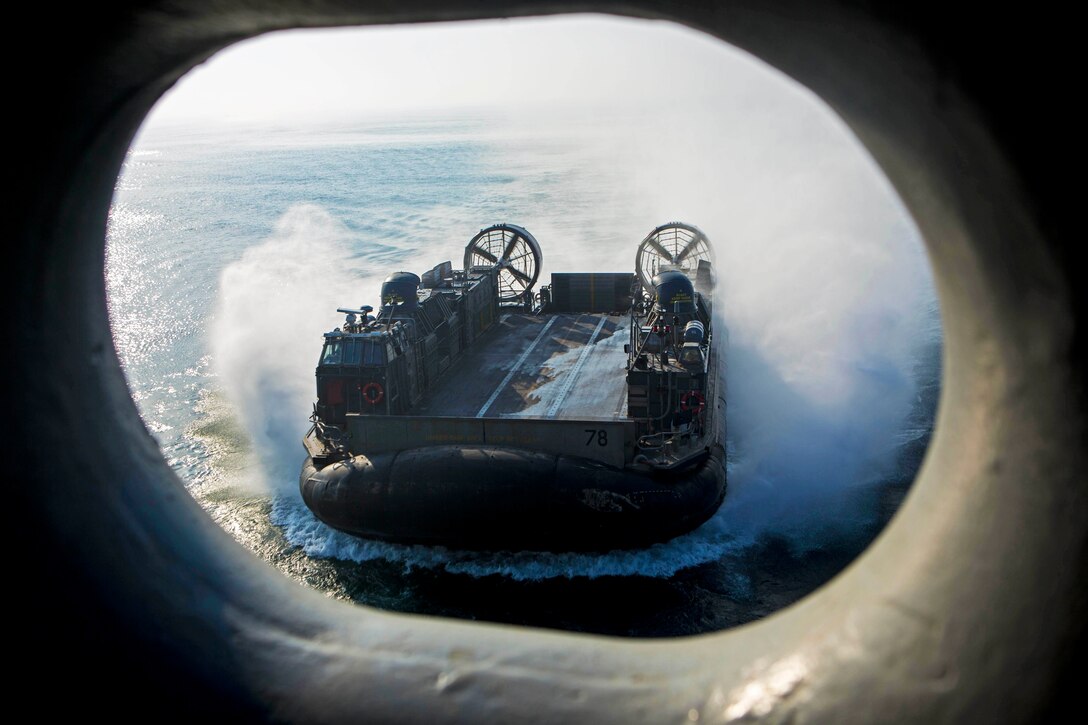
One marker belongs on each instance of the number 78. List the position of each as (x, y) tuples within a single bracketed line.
[(600, 435)]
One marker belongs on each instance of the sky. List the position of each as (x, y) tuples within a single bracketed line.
[(529, 63)]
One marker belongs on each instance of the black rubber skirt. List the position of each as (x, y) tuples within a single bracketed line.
[(491, 498)]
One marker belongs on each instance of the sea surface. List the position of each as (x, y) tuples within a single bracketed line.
[(230, 247)]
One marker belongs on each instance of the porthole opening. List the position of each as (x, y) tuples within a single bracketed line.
[(236, 230)]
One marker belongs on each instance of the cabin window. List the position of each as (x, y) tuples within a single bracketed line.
[(353, 351), (372, 354), (331, 354)]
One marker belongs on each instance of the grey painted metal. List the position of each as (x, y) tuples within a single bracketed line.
[(591, 291), (543, 349), (970, 606), (572, 375), (606, 440), (370, 435), (514, 369), (582, 345)]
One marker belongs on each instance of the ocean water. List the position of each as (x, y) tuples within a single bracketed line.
[(229, 249)]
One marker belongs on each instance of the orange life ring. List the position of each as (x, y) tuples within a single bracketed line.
[(371, 388), (700, 402)]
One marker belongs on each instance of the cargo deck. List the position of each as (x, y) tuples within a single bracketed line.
[(559, 366)]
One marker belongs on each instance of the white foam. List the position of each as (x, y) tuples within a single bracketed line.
[(274, 303)]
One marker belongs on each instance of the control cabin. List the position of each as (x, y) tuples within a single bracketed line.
[(385, 363)]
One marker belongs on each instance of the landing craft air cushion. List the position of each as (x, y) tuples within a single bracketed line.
[(473, 413)]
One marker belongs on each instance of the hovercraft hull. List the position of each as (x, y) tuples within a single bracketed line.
[(473, 413)]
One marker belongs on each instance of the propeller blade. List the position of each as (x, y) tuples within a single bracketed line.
[(520, 275), (485, 254), (510, 246), (656, 246), (687, 250), (520, 256)]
